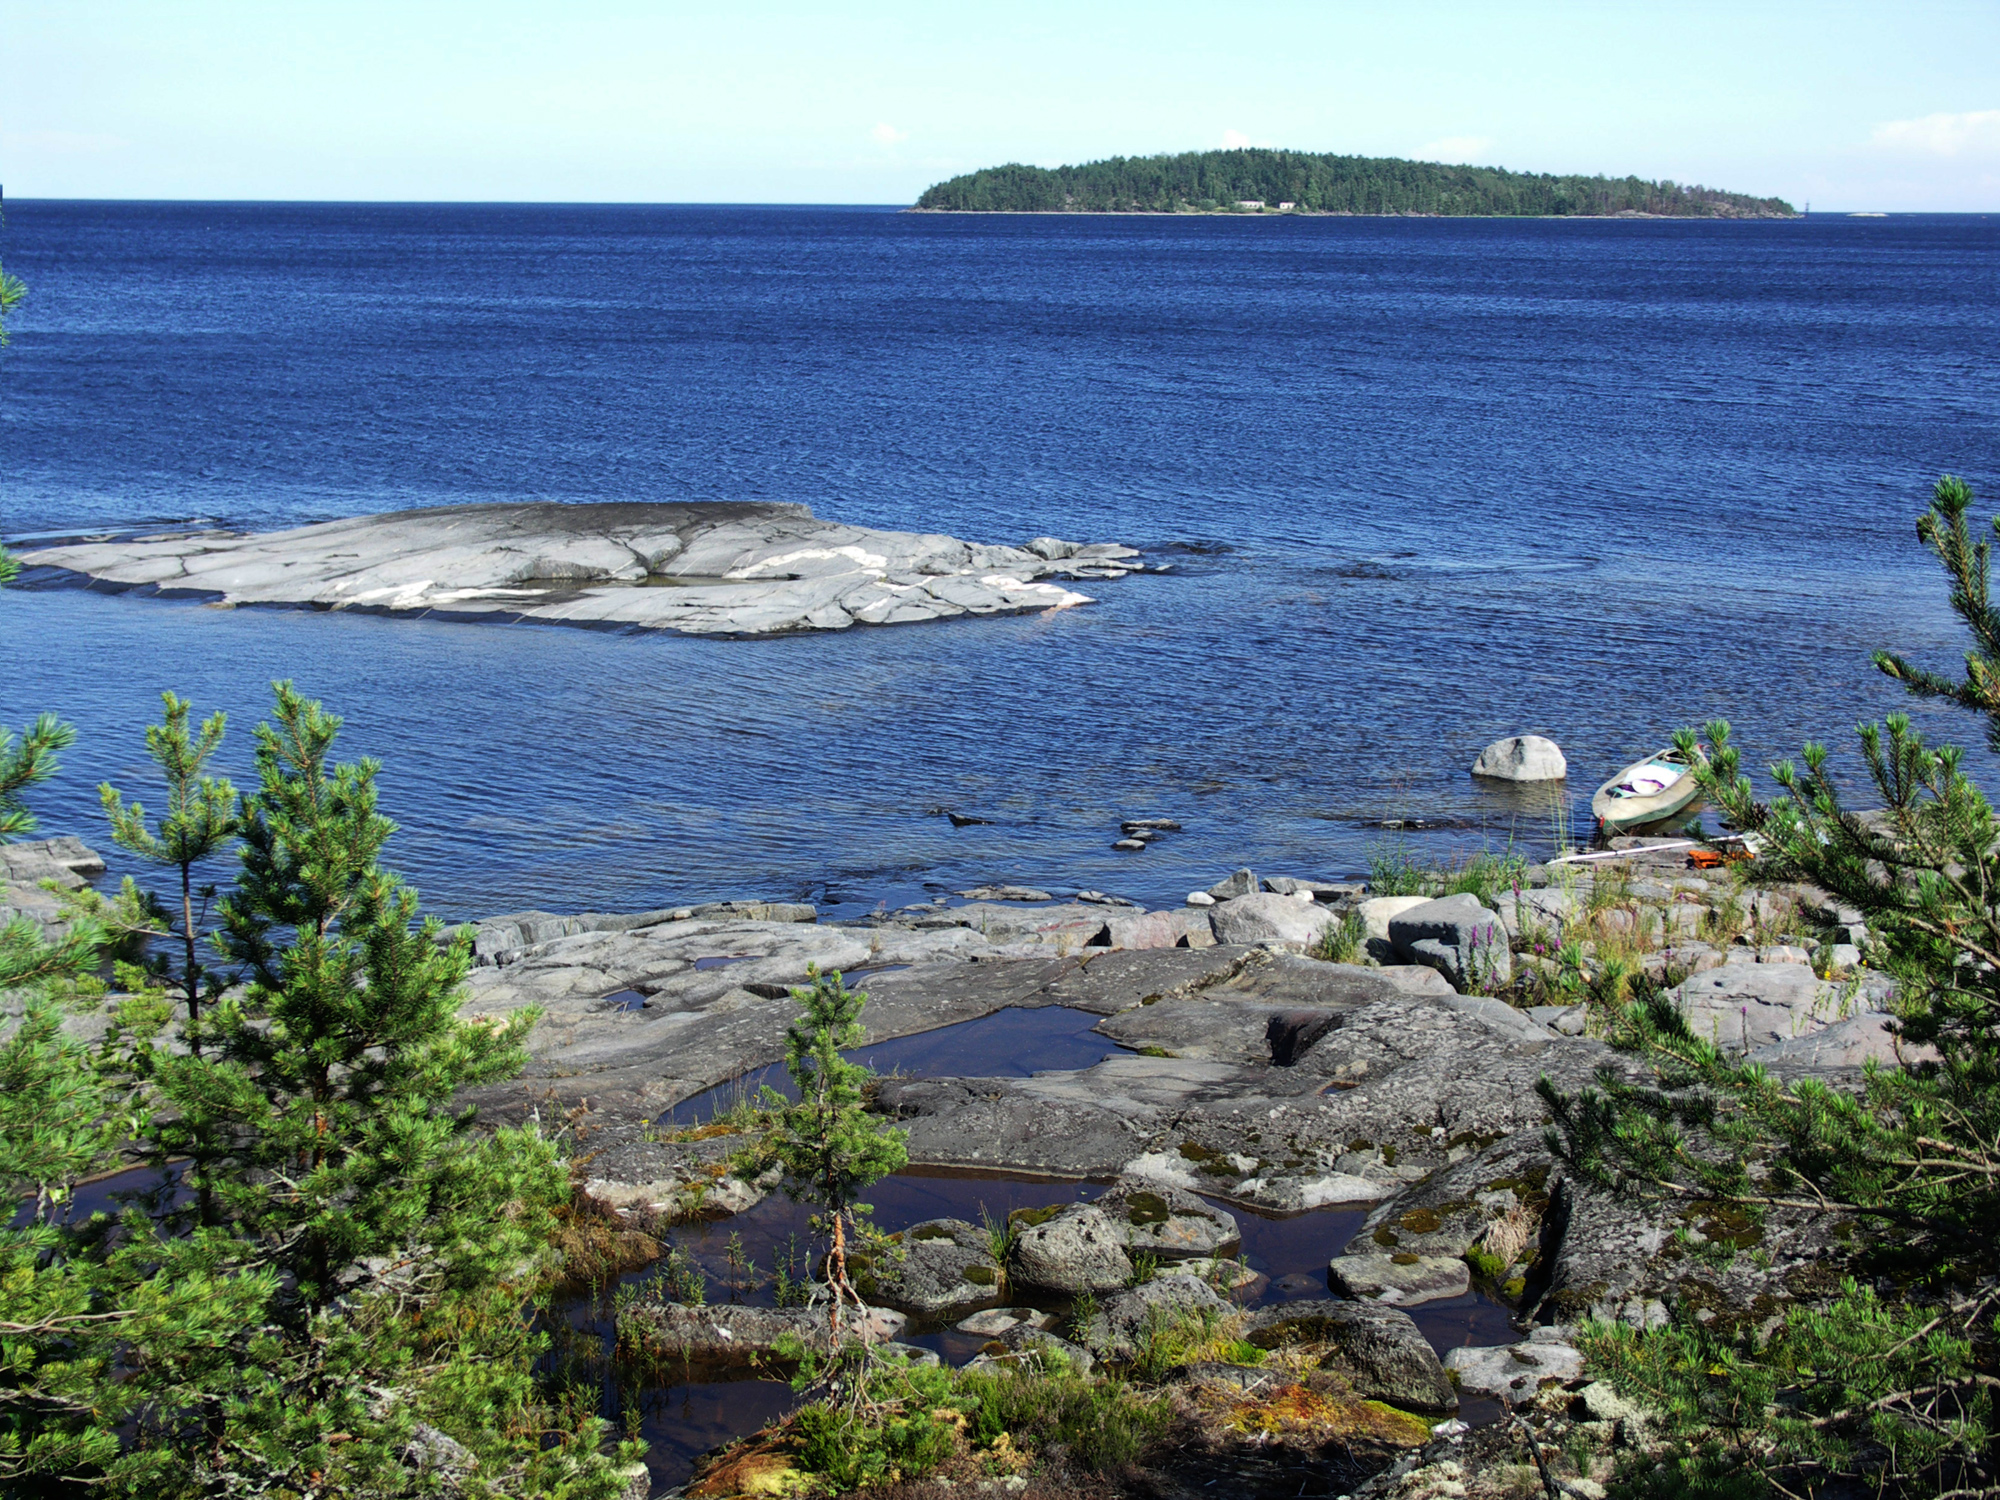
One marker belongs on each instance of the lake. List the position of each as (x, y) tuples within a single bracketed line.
[(1424, 483)]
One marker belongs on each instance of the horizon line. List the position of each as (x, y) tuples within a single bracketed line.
[(1968, 213)]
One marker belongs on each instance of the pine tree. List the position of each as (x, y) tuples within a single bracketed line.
[(199, 822), (828, 1144), (324, 1121), (28, 760)]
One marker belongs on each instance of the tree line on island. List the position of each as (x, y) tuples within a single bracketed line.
[(1323, 183)]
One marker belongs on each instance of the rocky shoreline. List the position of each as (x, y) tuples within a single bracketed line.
[(1244, 1068), (716, 568)]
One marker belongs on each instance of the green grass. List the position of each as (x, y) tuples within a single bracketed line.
[(1342, 941), (1393, 871)]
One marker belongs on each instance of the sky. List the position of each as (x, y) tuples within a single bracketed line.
[(1889, 106)]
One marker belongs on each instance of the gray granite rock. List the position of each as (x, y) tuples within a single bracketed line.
[(1744, 1006), (939, 1268), (738, 568), (1514, 1372), (1182, 927), (1380, 1351), (1458, 937), (1076, 1251), (1403, 1279), (1167, 1223), (1264, 918), (1522, 757)]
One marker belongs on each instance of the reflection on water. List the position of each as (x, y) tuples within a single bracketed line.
[(1009, 1043)]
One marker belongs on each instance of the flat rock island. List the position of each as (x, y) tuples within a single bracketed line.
[(701, 568)]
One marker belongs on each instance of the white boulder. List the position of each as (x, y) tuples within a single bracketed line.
[(1522, 757)]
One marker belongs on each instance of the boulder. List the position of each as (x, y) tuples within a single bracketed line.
[(1125, 1320), (1181, 927), (1515, 1372), (1077, 1250), (1167, 1223), (1522, 757), (1378, 1349), (945, 1267), (1458, 937), (1242, 883), (1265, 918), (1377, 911), (1404, 1279)]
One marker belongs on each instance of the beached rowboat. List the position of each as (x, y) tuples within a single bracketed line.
[(1646, 791)]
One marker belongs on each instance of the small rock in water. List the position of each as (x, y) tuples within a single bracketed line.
[(1522, 757), (1403, 1279), (1098, 898), (997, 1320), (965, 820), (1154, 825), (1130, 844), (1200, 898), (1006, 893)]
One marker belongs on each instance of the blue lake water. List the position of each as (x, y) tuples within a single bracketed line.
[(1425, 483)]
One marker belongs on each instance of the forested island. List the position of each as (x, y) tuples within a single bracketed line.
[(1262, 181)]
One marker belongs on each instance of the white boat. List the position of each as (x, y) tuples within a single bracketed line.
[(1646, 791)]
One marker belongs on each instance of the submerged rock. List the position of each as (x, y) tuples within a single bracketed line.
[(728, 568)]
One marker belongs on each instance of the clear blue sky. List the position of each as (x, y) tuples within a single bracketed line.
[(1894, 105)]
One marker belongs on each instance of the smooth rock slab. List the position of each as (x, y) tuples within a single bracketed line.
[(1404, 1280), (718, 568)]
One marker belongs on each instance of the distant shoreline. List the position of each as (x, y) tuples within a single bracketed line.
[(1335, 213)]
